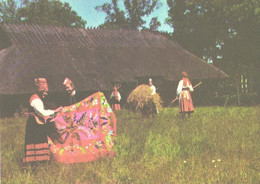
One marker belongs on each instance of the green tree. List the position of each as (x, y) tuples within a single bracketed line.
[(154, 24), (197, 25), (132, 17), (115, 17), (223, 32), (46, 12), (8, 11), (50, 12), (40, 12)]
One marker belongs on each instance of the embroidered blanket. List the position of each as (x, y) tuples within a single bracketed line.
[(88, 128)]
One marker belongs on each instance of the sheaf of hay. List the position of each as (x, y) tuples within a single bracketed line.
[(141, 98)]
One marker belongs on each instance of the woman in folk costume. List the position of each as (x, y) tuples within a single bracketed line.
[(37, 127), (115, 98), (183, 91)]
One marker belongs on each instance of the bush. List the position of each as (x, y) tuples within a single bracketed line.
[(246, 99)]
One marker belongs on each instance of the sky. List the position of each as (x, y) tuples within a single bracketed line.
[(86, 10)]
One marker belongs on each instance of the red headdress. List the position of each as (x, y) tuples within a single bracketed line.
[(186, 81), (41, 84), (184, 74)]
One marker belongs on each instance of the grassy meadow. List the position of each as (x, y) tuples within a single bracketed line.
[(216, 145)]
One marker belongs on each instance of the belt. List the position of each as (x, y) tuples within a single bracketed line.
[(185, 89)]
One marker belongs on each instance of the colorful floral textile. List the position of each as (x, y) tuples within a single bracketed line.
[(88, 128)]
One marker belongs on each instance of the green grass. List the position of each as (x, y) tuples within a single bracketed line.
[(216, 145)]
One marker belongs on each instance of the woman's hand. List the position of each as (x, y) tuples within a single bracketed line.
[(58, 109)]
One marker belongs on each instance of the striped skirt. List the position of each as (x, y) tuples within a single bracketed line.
[(36, 152), (36, 143)]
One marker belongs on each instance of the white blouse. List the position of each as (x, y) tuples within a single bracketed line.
[(153, 89), (118, 94), (38, 106), (180, 86)]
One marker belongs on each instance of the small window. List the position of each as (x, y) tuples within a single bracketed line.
[(244, 84)]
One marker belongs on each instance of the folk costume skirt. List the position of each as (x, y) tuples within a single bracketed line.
[(115, 104), (36, 144), (116, 107), (185, 102)]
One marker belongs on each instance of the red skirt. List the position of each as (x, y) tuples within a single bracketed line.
[(185, 102), (116, 107)]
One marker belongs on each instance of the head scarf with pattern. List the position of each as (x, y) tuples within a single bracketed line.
[(185, 78), (184, 74), (41, 85)]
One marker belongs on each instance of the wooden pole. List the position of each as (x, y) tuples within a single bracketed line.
[(238, 97), (178, 97)]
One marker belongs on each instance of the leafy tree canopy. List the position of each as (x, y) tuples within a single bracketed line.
[(132, 17), (40, 12), (8, 11), (46, 12), (223, 32)]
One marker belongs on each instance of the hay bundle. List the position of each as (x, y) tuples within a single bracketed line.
[(141, 98)]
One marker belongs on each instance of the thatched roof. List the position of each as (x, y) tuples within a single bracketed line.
[(92, 58)]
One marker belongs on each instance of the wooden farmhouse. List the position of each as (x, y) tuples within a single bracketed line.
[(94, 59)]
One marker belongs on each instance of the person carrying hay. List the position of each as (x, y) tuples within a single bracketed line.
[(141, 99), (183, 92)]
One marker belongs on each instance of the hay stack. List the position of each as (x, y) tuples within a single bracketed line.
[(141, 98)]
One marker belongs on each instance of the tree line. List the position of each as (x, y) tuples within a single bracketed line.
[(222, 32)]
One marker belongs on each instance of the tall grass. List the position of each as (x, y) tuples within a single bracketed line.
[(216, 145)]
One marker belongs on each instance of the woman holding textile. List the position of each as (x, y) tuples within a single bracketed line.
[(38, 127)]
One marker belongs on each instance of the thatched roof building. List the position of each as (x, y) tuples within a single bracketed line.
[(92, 58)]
